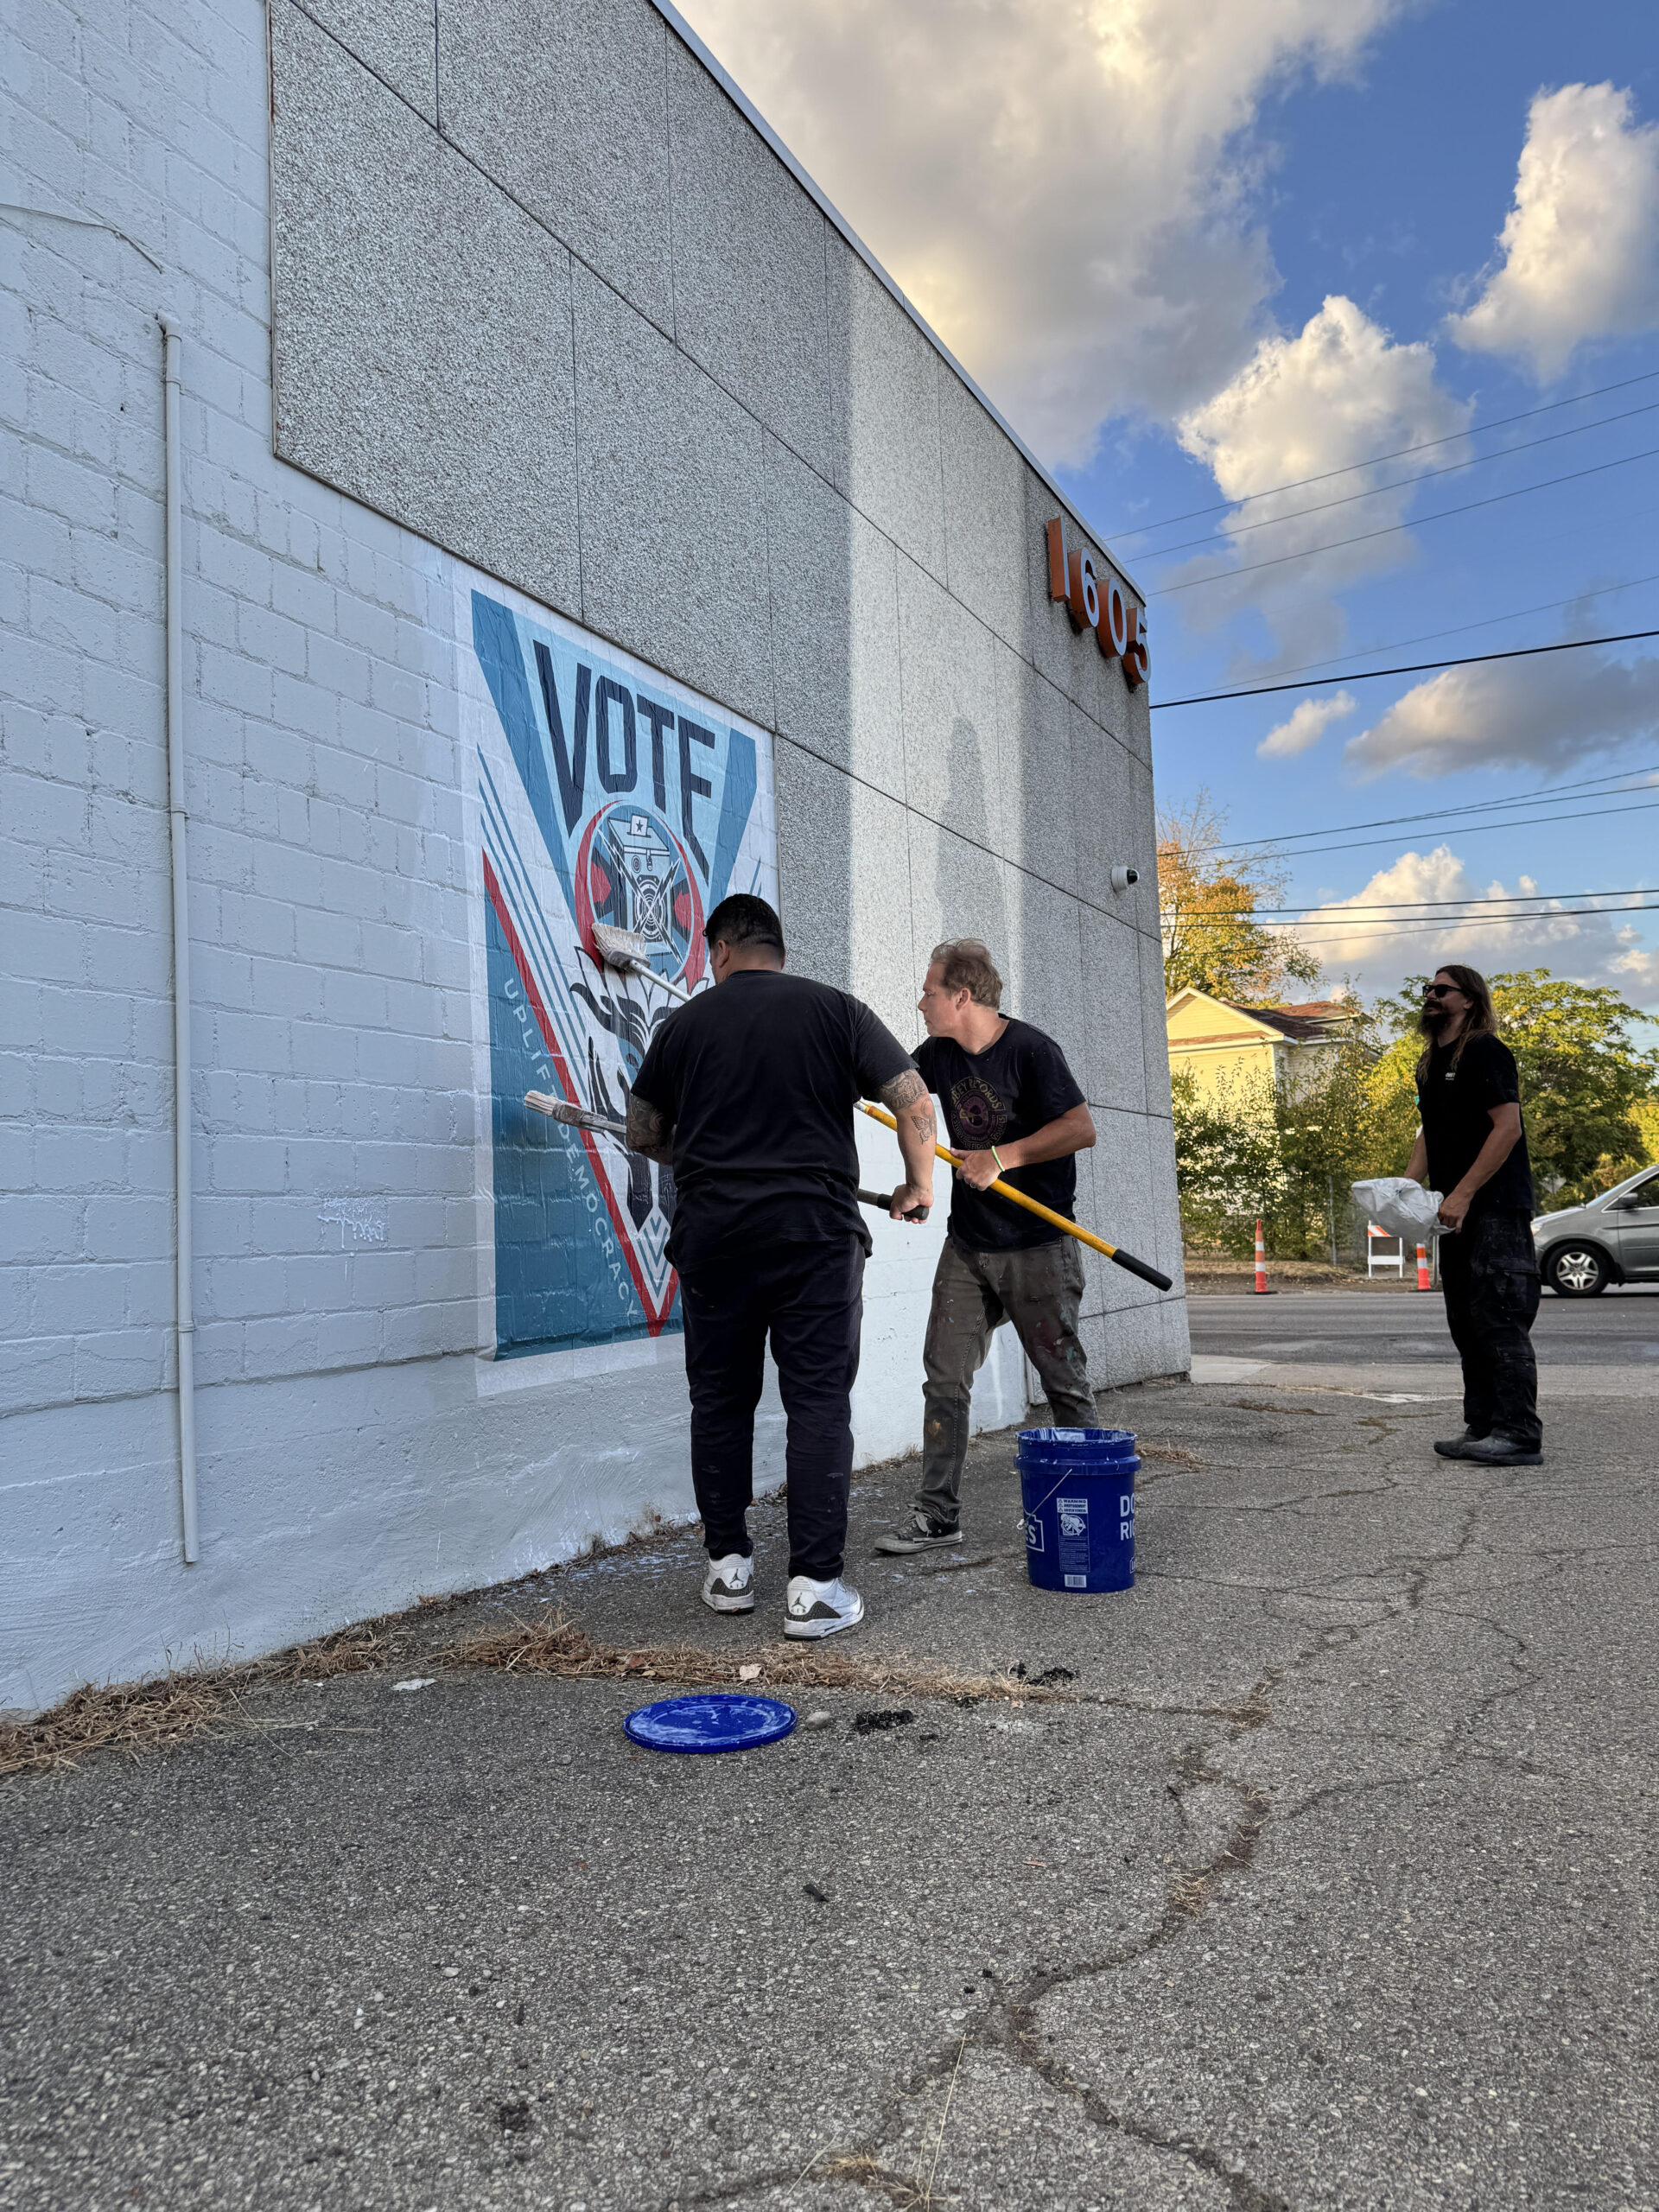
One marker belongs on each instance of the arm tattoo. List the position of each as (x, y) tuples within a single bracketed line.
[(648, 1132), (904, 1091), (907, 1098)]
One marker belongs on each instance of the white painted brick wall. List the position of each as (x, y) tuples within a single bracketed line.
[(328, 907), (349, 1457)]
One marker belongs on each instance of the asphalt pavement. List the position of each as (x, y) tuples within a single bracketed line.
[(1336, 1327), (1320, 1875)]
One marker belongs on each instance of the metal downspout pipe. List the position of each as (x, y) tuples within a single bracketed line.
[(185, 1323)]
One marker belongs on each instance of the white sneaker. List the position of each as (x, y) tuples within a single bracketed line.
[(820, 1608), (728, 1586)]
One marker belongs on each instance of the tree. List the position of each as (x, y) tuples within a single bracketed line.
[(1324, 1130), (1585, 1086), (1227, 1167), (1207, 902)]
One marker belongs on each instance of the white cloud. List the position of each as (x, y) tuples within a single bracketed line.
[(1580, 247), (1067, 193), (1589, 948), (1330, 397), (1305, 727), (1548, 713)]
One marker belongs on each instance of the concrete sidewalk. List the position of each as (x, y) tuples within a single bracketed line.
[(1325, 1881)]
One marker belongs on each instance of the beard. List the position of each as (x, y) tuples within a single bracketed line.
[(1433, 1018)]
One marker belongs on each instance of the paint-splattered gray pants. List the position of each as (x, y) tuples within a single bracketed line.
[(1039, 1290)]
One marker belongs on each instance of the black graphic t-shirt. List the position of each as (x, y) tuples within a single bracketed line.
[(1455, 1103), (1011, 1089), (759, 1078)]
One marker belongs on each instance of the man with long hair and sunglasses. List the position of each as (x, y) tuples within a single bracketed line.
[(1472, 1146)]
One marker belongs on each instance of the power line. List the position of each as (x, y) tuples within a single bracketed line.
[(1416, 668), (1442, 813), (1498, 422), (1440, 514), (1412, 906), (1333, 929), (1398, 484), (1458, 629), (1475, 828)]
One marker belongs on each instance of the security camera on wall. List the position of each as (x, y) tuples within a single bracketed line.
[(1123, 877)]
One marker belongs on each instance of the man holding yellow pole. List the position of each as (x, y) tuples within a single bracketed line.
[(1015, 1113)]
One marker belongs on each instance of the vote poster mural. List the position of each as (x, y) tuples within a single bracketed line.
[(607, 794)]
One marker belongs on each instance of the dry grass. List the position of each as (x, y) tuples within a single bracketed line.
[(137, 1717), (1175, 1455), (869, 2173), (141, 1717), (553, 1645)]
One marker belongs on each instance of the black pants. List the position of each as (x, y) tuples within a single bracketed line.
[(810, 1298), (1489, 1271)]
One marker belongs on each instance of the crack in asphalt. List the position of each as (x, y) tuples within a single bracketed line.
[(1011, 2025)]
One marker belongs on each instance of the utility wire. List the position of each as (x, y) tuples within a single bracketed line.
[(1442, 813), (1414, 668), (1475, 828), (1440, 514), (1411, 906), (1498, 422), (1397, 484), (1458, 629), (1333, 929)]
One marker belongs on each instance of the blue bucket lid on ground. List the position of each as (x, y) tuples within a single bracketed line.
[(716, 1720)]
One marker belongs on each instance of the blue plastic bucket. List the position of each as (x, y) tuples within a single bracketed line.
[(1077, 1488)]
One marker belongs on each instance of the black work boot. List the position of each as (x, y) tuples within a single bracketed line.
[(1505, 1452), (1457, 1447)]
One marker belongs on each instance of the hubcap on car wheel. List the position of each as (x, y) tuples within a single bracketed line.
[(1578, 1271)]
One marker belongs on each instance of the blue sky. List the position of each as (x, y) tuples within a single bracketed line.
[(1197, 253), (1391, 190)]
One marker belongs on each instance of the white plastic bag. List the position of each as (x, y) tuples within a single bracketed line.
[(1403, 1208)]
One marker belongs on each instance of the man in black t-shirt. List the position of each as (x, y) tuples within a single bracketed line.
[(1472, 1146), (747, 1091), (1013, 1110)]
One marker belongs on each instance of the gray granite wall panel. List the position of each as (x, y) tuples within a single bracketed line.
[(591, 333), (1040, 819), (673, 507), (957, 889), (1138, 832), (987, 546), (565, 104), (1104, 834), (835, 625), (749, 264), (1050, 967), (396, 39), (814, 878), (953, 769), (884, 412), (886, 969), (418, 314), (1113, 1069)]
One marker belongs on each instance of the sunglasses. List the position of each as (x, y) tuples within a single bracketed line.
[(1439, 990)]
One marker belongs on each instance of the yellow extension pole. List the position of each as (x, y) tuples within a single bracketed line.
[(1044, 1213)]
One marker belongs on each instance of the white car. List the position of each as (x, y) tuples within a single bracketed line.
[(1614, 1239)]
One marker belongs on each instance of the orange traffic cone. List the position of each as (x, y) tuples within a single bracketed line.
[(1260, 1263), (1422, 1267)]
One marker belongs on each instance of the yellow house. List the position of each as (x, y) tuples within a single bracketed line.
[(1230, 1046)]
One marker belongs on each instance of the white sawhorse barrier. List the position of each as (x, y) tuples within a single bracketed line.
[(1374, 1260)]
